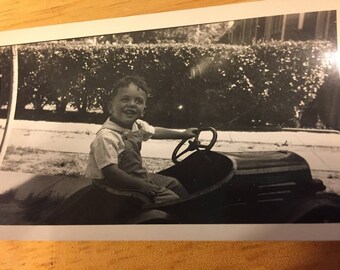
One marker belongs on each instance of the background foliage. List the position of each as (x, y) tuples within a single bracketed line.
[(229, 87)]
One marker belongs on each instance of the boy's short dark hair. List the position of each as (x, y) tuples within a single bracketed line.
[(125, 81)]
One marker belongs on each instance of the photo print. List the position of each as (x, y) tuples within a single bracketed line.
[(222, 127)]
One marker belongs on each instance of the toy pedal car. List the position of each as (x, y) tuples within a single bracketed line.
[(224, 188)]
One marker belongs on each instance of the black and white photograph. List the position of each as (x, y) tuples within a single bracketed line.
[(232, 121)]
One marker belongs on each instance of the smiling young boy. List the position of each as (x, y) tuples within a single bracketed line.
[(115, 161)]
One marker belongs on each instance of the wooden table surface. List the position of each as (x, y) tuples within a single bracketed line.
[(15, 14)]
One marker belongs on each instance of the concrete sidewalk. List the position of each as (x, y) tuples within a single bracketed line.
[(79, 142)]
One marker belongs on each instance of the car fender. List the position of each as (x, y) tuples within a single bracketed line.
[(322, 208)]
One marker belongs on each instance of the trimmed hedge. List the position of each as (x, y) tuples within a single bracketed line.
[(234, 87)]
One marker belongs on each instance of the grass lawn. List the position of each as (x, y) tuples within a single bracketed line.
[(33, 160)]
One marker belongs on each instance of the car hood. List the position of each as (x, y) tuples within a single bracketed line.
[(256, 162)]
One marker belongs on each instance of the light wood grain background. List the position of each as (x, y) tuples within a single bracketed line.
[(15, 14)]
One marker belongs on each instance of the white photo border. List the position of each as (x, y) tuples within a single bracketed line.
[(163, 20), (235, 232)]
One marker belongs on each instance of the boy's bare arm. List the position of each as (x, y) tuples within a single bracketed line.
[(120, 179), (166, 133)]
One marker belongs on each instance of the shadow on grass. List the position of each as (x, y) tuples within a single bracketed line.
[(32, 199)]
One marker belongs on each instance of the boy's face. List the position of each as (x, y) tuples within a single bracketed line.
[(128, 105)]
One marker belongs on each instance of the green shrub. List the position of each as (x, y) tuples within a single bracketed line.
[(260, 84)]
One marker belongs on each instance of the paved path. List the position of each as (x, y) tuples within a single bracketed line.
[(322, 151)]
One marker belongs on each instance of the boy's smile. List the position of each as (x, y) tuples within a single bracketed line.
[(128, 105)]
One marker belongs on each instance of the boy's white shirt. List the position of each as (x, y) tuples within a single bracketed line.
[(108, 144)]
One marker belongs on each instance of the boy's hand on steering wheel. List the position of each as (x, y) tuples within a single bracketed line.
[(195, 144), (189, 133)]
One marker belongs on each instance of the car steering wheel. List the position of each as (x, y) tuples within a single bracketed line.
[(195, 144)]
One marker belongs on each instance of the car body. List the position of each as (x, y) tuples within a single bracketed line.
[(224, 188), (249, 187)]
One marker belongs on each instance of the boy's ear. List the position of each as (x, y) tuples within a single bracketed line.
[(144, 111), (109, 107)]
